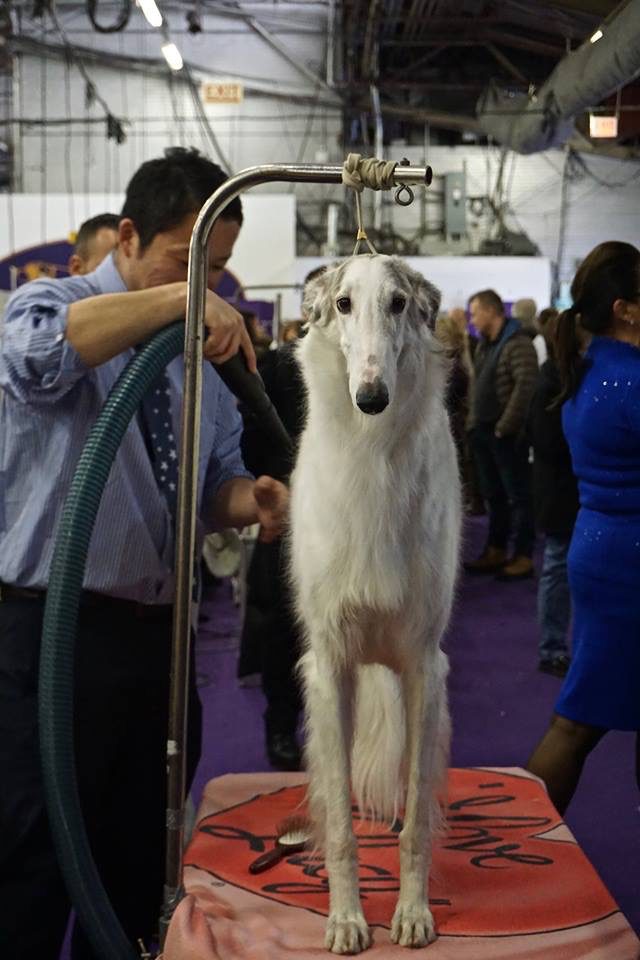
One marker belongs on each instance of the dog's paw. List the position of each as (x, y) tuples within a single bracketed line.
[(347, 933), (412, 926)]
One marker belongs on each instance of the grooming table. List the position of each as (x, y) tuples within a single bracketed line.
[(508, 879)]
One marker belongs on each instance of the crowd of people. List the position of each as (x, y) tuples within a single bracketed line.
[(545, 413), (553, 427)]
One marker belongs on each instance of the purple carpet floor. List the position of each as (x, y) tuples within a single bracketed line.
[(500, 706)]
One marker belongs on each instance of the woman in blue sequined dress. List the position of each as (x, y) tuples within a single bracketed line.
[(601, 420)]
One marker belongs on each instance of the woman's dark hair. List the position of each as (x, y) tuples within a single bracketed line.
[(163, 191), (610, 272)]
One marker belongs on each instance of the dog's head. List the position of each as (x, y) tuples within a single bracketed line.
[(377, 310)]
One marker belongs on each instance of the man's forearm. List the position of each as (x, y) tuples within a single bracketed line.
[(101, 327), (235, 504)]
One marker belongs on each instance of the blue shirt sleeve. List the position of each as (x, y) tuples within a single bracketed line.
[(226, 461), (37, 362)]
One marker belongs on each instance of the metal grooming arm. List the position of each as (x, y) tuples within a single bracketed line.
[(403, 176)]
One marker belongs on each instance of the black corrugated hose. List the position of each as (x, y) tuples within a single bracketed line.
[(58, 643)]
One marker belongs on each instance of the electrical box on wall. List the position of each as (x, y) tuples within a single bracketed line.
[(455, 205)]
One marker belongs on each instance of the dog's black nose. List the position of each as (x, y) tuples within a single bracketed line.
[(372, 397)]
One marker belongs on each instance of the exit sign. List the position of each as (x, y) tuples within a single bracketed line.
[(222, 92), (603, 126)]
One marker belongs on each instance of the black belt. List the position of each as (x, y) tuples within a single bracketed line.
[(94, 601)]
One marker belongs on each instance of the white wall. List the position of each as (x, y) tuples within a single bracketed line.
[(459, 277), (158, 111), (533, 195), (264, 253)]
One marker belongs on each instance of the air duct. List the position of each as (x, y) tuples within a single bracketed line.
[(581, 80)]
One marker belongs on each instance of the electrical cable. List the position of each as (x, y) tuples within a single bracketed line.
[(67, 148), (580, 162), (121, 22), (562, 226), (174, 109), (43, 148), (115, 129), (201, 113)]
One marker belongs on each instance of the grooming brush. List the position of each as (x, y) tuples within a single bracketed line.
[(292, 835)]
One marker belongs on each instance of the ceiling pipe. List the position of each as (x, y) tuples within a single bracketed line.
[(582, 79)]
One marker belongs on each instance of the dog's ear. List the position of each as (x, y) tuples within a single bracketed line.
[(316, 299), (427, 297)]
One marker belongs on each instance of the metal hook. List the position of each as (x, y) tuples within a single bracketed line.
[(403, 187), (398, 195)]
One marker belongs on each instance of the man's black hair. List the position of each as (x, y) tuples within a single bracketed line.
[(90, 227), (163, 191)]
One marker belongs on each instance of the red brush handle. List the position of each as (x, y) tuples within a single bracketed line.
[(268, 859)]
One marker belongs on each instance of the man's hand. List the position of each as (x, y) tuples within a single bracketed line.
[(272, 504), (226, 332)]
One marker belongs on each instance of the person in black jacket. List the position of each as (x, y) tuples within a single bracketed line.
[(270, 633), (555, 494)]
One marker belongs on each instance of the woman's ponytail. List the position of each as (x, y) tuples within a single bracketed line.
[(567, 353)]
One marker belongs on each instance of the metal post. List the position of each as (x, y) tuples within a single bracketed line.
[(331, 247), (188, 481), (277, 319), (379, 149)]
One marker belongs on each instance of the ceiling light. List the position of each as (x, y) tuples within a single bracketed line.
[(595, 36), (172, 56), (151, 12)]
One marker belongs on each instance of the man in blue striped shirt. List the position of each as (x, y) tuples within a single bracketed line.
[(64, 344)]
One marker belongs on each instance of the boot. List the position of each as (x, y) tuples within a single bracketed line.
[(490, 560), (520, 568)]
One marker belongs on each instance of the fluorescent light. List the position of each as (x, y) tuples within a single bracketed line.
[(595, 36), (172, 56), (151, 12)]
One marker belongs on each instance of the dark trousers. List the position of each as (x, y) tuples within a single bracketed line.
[(271, 631), (121, 716), (504, 476)]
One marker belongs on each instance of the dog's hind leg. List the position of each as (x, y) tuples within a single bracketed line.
[(329, 706), (426, 711)]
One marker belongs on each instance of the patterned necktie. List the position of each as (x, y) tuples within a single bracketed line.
[(157, 430)]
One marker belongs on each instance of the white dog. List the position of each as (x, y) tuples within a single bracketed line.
[(375, 520)]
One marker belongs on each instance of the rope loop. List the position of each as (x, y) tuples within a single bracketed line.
[(359, 172)]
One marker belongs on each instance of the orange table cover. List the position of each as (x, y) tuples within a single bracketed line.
[(508, 879)]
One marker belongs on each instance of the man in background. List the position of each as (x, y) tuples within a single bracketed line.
[(96, 238), (506, 369)]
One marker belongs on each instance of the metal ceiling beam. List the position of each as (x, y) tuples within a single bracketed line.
[(504, 61), (369, 66), (524, 43), (595, 8), (283, 50), (481, 38), (439, 118), (420, 62)]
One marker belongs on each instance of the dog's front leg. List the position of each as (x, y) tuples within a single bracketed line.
[(412, 924), (329, 696)]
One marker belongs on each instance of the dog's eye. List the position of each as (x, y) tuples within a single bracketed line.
[(398, 304), (343, 304)]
